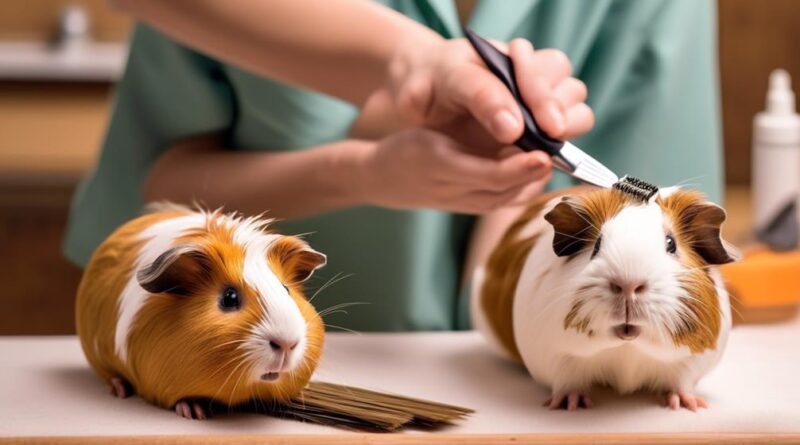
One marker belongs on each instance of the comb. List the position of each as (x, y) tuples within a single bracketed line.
[(636, 187)]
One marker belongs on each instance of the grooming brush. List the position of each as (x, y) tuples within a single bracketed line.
[(362, 409), (566, 157), (636, 187)]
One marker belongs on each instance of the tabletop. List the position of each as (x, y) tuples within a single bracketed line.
[(49, 394)]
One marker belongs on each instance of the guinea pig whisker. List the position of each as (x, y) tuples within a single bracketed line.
[(222, 386), (333, 280), (661, 328), (225, 365), (696, 268), (336, 307), (342, 328), (228, 343), (560, 296), (238, 380), (335, 311), (700, 303), (570, 245), (733, 306), (685, 182), (245, 372), (589, 223), (576, 238)]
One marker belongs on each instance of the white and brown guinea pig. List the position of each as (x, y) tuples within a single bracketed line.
[(592, 286), (183, 306)]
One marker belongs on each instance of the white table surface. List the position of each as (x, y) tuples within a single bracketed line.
[(47, 389)]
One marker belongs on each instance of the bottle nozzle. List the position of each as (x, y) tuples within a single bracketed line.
[(780, 98)]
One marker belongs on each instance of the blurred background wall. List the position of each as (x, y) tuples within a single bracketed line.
[(51, 126)]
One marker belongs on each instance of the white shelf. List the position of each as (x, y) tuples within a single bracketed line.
[(78, 61)]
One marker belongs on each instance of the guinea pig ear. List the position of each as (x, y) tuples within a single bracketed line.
[(179, 270), (296, 258), (570, 227), (703, 222)]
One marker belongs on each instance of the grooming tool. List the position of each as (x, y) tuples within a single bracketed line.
[(636, 187), (566, 157)]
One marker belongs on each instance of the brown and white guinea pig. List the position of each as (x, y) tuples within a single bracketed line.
[(593, 286), (182, 306)]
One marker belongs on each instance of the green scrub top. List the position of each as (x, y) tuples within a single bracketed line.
[(650, 66)]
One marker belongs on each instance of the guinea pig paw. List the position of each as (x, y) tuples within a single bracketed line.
[(190, 410), (677, 399), (120, 388), (570, 401)]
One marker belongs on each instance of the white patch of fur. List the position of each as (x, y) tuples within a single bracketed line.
[(536, 226), (159, 237), (282, 320)]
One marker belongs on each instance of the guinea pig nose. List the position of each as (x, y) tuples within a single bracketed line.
[(283, 345), (627, 287)]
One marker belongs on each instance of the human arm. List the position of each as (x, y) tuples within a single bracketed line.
[(411, 169), (352, 48)]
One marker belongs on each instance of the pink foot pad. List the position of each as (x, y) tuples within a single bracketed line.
[(570, 401), (676, 400), (190, 410), (120, 388)]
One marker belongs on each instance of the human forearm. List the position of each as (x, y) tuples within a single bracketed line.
[(287, 185), (408, 170), (343, 48)]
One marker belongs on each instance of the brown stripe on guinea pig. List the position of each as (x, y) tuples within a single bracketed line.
[(183, 305), (594, 286)]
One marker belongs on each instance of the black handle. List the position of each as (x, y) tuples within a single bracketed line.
[(533, 138)]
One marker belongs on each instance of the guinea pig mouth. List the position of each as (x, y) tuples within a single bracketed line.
[(270, 376), (627, 331)]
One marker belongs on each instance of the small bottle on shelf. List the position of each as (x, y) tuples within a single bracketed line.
[(776, 166)]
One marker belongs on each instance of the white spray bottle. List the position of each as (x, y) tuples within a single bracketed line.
[(776, 166)]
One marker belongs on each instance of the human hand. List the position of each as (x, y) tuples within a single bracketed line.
[(421, 168), (445, 85)]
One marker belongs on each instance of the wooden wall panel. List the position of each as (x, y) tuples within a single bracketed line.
[(38, 291), (755, 37), (36, 19), (51, 130)]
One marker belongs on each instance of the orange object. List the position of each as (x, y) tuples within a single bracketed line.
[(764, 282)]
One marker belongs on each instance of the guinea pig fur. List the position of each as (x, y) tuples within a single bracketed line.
[(592, 286), (183, 306)]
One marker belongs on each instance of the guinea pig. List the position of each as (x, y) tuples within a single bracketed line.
[(596, 286), (185, 307)]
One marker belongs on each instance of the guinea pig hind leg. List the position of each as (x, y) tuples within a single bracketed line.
[(570, 401), (676, 399), (191, 409), (120, 388)]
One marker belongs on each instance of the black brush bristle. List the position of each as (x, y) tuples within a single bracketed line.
[(636, 187)]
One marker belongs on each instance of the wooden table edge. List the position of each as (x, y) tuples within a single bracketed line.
[(403, 439)]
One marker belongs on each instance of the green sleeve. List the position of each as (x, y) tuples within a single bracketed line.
[(652, 79), (168, 93)]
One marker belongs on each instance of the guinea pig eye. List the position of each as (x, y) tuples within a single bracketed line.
[(286, 287), (229, 300), (597, 246), (672, 247)]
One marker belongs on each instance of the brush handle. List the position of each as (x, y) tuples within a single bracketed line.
[(533, 138)]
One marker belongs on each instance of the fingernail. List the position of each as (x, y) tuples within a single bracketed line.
[(557, 118), (504, 123)]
